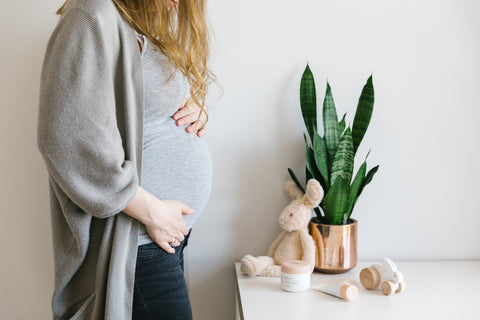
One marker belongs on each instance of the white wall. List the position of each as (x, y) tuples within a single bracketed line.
[(422, 204)]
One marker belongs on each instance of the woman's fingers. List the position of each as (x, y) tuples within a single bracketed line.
[(166, 246), (182, 111), (184, 103), (180, 236), (201, 132), (194, 127), (188, 113), (185, 209), (188, 118), (171, 240), (184, 229), (191, 127)]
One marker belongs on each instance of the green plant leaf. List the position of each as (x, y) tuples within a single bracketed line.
[(309, 160), (308, 174), (355, 188), (320, 154), (308, 101), (341, 126), (330, 125), (343, 161), (368, 178), (294, 178), (335, 202), (353, 206), (363, 114), (311, 167)]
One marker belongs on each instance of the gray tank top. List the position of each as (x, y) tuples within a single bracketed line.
[(176, 164)]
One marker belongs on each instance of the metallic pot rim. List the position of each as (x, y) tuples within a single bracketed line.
[(354, 222)]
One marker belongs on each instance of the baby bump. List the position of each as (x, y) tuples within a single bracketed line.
[(177, 165)]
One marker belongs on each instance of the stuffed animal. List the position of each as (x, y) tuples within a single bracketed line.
[(385, 275), (294, 243)]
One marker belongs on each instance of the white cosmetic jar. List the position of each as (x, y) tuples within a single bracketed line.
[(295, 275)]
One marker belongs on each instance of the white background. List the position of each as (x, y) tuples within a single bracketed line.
[(422, 204)]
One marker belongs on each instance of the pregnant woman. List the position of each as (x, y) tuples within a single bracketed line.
[(121, 116)]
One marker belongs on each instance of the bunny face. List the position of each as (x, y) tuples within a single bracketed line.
[(298, 213), (390, 271), (295, 216), (397, 277)]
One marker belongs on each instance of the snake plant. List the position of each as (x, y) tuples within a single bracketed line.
[(330, 158)]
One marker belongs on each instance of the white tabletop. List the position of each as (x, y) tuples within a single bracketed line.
[(434, 290)]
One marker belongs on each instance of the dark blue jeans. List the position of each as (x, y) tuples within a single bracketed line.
[(160, 291)]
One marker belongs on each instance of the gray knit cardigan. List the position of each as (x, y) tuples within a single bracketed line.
[(90, 136)]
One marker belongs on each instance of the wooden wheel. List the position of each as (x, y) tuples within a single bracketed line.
[(388, 287), (369, 278), (401, 287)]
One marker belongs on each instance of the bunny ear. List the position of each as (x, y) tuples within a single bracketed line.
[(314, 194), (292, 190), (388, 264)]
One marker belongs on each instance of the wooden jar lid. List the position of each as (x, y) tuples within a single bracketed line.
[(295, 267)]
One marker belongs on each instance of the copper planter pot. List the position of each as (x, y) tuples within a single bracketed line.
[(336, 246)]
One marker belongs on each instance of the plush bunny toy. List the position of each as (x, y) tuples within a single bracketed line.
[(294, 243)]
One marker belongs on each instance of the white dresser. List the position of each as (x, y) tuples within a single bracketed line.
[(435, 290)]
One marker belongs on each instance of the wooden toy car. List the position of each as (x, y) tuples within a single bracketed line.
[(385, 275)]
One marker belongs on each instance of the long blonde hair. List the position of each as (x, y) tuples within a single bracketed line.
[(181, 34)]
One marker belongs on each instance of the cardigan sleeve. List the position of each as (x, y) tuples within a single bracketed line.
[(77, 133)]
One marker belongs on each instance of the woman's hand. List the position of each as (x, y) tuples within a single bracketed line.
[(188, 113), (162, 218), (166, 225)]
